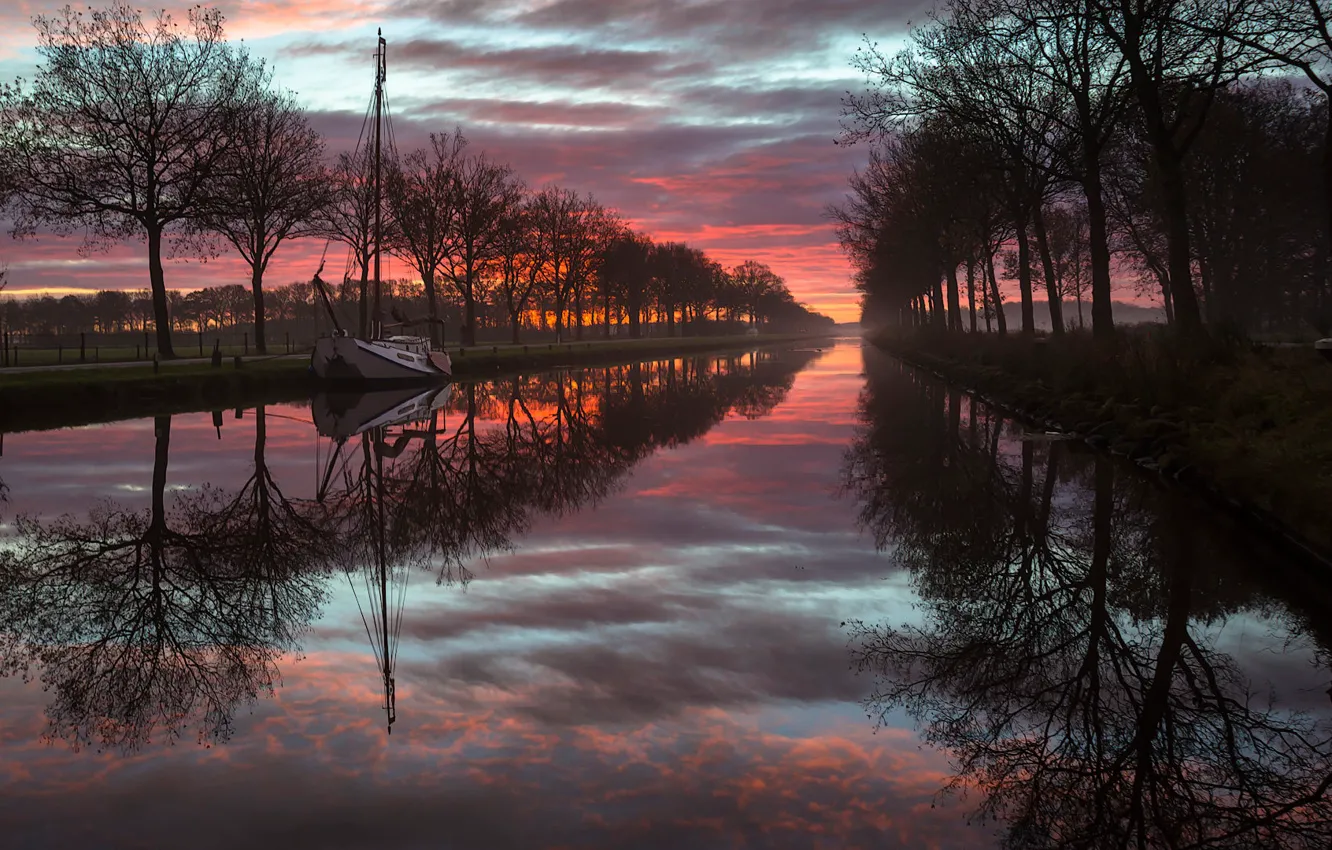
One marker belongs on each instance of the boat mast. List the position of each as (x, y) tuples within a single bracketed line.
[(381, 67)]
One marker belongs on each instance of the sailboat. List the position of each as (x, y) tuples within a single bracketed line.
[(381, 359)]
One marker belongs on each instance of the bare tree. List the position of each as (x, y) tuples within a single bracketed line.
[(626, 273), (565, 231), (1296, 34), (348, 216), (521, 260), (1177, 59), (422, 195), (271, 186), (123, 127), (485, 195)]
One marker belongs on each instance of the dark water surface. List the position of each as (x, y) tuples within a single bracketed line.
[(793, 598)]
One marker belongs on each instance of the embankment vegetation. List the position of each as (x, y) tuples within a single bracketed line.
[(1249, 425)]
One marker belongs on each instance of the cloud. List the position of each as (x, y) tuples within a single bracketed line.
[(708, 121)]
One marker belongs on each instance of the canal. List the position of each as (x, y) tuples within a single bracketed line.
[(799, 597)]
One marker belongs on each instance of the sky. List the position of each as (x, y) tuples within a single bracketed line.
[(707, 121)]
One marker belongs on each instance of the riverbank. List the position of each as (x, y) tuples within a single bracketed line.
[(49, 398), (1249, 427)]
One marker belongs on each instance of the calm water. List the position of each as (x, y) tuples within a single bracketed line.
[(786, 599)]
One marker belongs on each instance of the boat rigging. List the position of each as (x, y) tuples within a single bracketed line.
[(378, 359)]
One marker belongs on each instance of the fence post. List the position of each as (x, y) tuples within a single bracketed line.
[(201, 343), (245, 341), (145, 346), (83, 347), (60, 353)]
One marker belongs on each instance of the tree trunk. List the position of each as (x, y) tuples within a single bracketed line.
[(1174, 200), (1024, 275), (516, 319), (1001, 321), (986, 306), (635, 319), (937, 319), (954, 301), (578, 314), (257, 288), (1052, 294), (1103, 320), (971, 292), (469, 315), (432, 304), (157, 278)]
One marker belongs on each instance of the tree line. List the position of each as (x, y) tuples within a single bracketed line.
[(153, 129), (1184, 145), (749, 293)]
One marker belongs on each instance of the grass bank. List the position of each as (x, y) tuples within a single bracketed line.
[(1248, 426), (37, 399)]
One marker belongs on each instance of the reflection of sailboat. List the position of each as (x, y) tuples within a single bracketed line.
[(383, 421), (344, 415), (381, 358), (381, 616)]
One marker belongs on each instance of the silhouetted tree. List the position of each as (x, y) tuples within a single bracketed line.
[(123, 127), (270, 186)]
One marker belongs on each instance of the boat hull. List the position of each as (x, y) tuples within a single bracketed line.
[(345, 414), (347, 360)]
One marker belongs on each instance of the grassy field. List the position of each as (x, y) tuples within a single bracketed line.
[(1249, 424), (47, 398), (95, 355)]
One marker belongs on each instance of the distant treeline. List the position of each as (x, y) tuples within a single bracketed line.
[(156, 130), (1061, 141), (751, 295)]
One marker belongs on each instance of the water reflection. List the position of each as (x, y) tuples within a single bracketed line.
[(1071, 651), (143, 623)]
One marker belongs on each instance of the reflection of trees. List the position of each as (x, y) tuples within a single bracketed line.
[(143, 622), (1067, 659), (462, 483)]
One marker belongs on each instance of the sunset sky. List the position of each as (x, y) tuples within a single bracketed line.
[(708, 121)]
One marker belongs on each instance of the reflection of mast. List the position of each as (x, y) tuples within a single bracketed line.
[(381, 616), (382, 630)]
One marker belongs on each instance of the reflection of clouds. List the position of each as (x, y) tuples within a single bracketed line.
[(319, 777), (666, 669)]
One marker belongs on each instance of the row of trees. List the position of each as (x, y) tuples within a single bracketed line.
[(151, 129), (1161, 138), (631, 296)]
